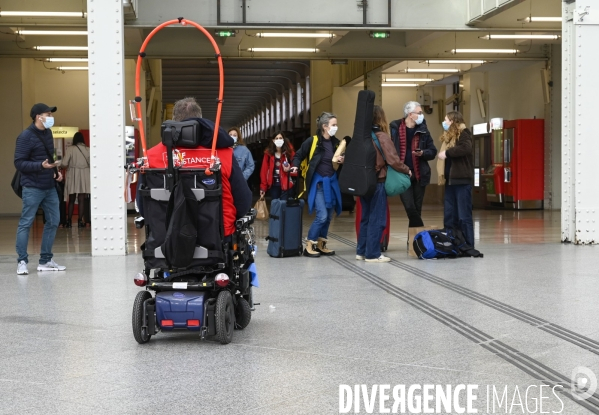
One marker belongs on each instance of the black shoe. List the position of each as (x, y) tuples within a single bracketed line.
[(81, 224), (68, 224)]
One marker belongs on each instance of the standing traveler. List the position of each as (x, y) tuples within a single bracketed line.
[(324, 194), (77, 184), (415, 148), (274, 173), (242, 153), (455, 168), (33, 158), (374, 208)]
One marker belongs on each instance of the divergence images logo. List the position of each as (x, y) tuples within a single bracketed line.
[(584, 383)]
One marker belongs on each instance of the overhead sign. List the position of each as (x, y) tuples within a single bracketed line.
[(64, 132)]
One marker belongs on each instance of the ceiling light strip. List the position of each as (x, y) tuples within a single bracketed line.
[(456, 61), (408, 79), (63, 48), (72, 68), (522, 37), (431, 70), (304, 35), (66, 59), (52, 32), (304, 50), (512, 51), (402, 85), (42, 14)]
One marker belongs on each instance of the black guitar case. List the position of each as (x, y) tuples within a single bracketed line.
[(358, 177)]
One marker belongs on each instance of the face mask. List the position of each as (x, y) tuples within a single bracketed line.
[(279, 143), (420, 119), (49, 122), (332, 130), (234, 138), (445, 125)]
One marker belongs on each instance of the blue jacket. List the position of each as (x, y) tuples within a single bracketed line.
[(331, 192), (245, 160), (29, 156)]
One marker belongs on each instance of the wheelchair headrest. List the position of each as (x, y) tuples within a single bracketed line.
[(184, 134)]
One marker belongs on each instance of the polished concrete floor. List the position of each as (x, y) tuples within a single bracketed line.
[(523, 316)]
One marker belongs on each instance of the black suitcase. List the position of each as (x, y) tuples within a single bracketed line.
[(285, 228), (358, 177)]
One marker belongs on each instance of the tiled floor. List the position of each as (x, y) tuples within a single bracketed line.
[(524, 315)]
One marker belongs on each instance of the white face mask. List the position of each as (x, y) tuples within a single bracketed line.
[(234, 138), (49, 123), (332, 130), (279, 143)]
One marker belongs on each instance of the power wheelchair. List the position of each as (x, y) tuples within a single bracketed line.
[(195, 278)]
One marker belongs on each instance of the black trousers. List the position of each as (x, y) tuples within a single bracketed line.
[(412, 202)]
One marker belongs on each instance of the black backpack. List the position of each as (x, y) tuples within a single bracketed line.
[(443, 243), (358, 177), (182, 226)]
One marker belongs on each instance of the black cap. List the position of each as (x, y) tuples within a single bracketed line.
[(40, 109)]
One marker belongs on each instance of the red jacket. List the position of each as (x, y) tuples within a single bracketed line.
[(199, 158), (268, 168)]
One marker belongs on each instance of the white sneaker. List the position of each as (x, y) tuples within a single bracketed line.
[(22, 268), (51, 266), (360, 257), (382, 258)]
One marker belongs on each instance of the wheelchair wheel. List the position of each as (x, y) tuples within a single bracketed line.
[(141, 334), (243, 314), (225, 317)]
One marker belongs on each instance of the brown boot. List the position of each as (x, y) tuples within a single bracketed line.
[(322, 247), (311, 249)]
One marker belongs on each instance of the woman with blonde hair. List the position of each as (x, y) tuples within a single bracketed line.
[(374, 208), (242, 153), (455, 169)]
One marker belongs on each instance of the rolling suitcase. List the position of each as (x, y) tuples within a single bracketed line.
[(285, 228), (386, 232)]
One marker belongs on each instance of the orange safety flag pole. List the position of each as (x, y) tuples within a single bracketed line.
[(142, 54)]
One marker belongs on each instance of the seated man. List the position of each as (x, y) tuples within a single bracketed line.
[(237, 197)]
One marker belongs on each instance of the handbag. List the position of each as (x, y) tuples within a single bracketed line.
[(396, 182), (261, 209), (16, 184)]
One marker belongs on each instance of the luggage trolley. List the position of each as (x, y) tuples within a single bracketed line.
[(201, 280)]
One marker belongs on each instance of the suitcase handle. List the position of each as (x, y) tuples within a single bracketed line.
[(275, 217)]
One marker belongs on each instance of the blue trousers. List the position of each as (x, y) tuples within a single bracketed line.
[(372, 223), (33, 198), (320, 226), (458, 210)]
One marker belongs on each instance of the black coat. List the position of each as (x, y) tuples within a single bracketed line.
[(304, 152), (429, 151)]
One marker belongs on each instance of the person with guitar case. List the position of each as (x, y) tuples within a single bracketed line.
[(316, 159), (374, 207)]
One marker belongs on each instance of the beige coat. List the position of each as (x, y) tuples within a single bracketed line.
[(76, 161)]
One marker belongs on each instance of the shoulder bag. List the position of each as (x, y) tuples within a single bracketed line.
[(395, 183)]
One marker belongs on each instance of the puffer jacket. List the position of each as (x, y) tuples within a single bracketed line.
[(30, 153), (391, 157), (304, 152)]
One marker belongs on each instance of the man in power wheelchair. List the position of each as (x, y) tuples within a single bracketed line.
[(199, 238)]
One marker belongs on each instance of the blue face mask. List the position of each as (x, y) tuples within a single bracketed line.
[(49, 123), (420, 119), (445, 125)]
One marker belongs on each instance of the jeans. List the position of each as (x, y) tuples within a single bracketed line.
[(458, 210), (320, 226), (33, 198), (276, 192), (372, 223), (412, 203)]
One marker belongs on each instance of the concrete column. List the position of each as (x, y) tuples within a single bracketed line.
[(107, 126), (373, 81), (580, 199)]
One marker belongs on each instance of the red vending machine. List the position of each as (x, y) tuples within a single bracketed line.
[(523, 163), (493, 177)]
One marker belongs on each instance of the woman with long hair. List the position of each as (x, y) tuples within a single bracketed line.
[(374, 208), (274, 173), (324, 194), (242, 153), (77, 185), (455, 169)]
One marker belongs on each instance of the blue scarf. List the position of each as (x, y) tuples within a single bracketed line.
[(330, 188)]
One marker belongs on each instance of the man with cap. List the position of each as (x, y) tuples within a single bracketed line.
[(34, 159)]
